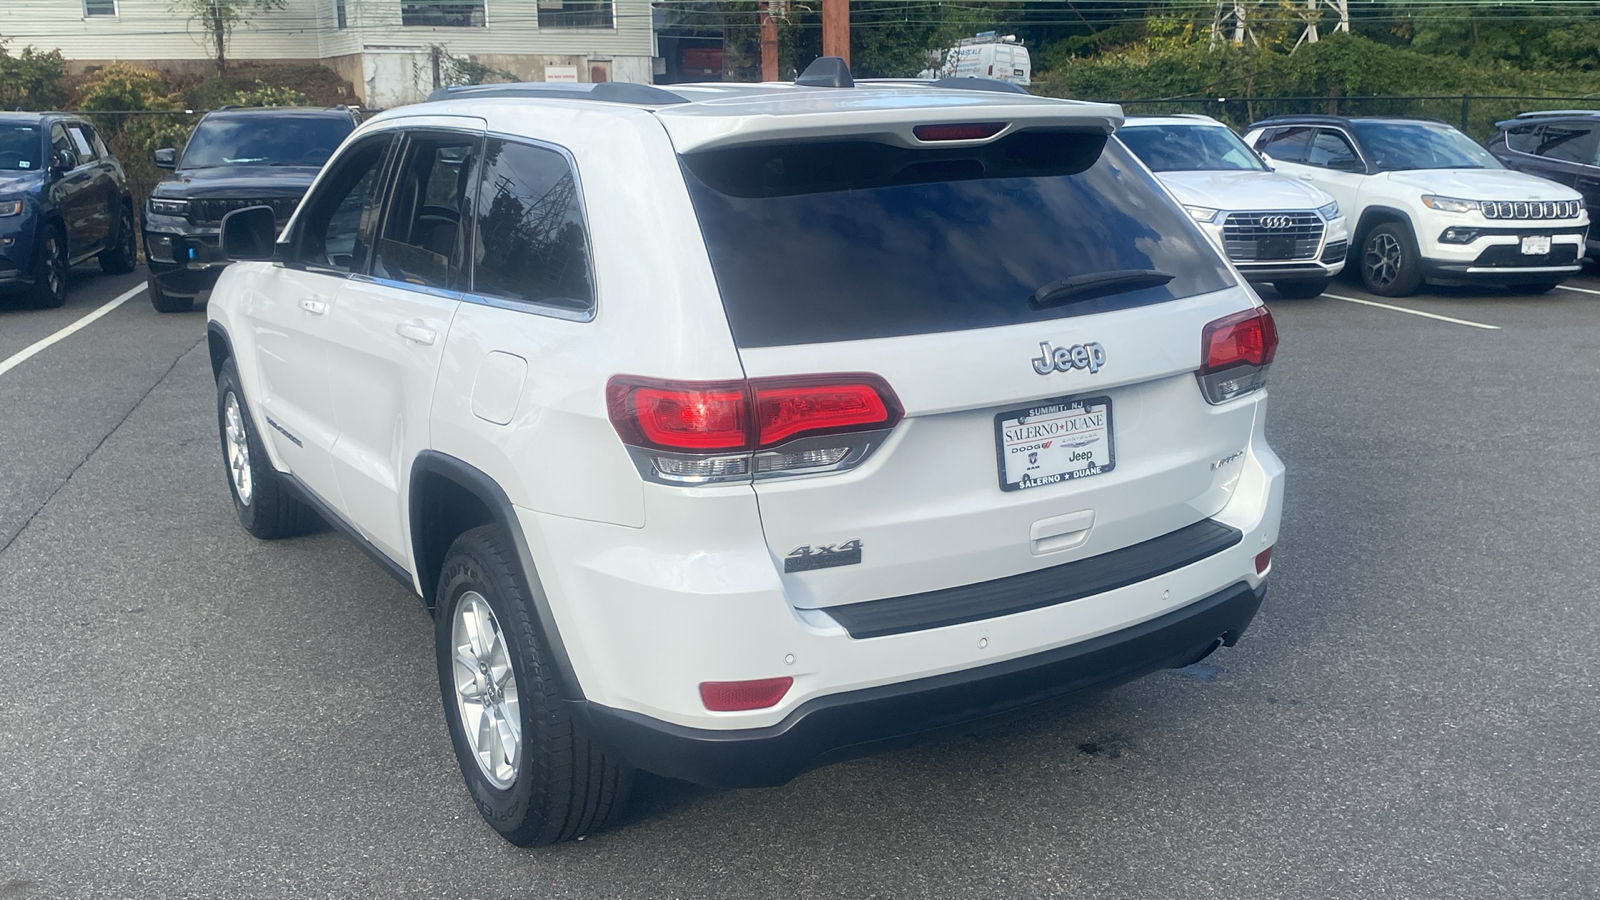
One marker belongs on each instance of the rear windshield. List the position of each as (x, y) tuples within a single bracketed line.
[(849, 240), (262, 140), (19, 148)]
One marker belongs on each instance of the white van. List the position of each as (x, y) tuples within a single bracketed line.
[(988, 55)]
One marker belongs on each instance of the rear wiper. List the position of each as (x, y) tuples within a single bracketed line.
[(1099, 284)]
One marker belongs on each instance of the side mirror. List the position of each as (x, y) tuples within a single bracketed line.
[(1267, 161), (62, 162), (166, 158), (250, 233)]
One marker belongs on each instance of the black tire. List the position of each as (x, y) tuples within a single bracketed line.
[(122, 256), (165, 302), (1390, 264), (562, 784), (1301, 290), (266, 510), (1533, 287), (50, 271)]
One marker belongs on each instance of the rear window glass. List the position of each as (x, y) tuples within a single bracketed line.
[(850, 240)]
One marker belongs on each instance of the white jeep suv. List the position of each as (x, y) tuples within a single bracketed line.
[(728, 430), (1430, 204), (1275, 228)]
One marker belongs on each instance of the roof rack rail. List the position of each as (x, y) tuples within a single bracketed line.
[(604, 92), (828, 72), (1558, 112), (973, 83)]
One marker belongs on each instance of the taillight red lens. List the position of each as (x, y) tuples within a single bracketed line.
[(1249, 337), (1263, 561), (786, 409), (959, 131), (733, 696), (680, 416), (746, 415)]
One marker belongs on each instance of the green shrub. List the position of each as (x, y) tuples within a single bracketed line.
[(31, 79)]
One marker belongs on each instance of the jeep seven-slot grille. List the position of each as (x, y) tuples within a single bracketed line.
[(210, 212), (1263, 236), (1530, 209)]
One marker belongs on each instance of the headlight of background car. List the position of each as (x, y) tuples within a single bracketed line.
[(1329, 212), (1203, 213), (1449, 204), (10, 208), (163, 207)]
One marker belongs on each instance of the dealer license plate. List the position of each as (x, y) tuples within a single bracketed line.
[(1536, 245), (1054, 442)]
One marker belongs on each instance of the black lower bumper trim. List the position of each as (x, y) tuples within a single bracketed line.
[(843, 726), (1034, 590)]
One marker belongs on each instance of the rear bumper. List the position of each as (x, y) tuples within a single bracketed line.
[(843, 726)]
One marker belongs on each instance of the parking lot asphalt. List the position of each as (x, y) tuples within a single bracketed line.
[(190, 712)]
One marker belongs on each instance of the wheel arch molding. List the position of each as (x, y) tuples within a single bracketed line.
[(1373, 216), (219, 346), (448, 497)]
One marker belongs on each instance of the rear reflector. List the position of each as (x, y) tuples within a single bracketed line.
[(1263, 561), (960, 131), (733, 696)]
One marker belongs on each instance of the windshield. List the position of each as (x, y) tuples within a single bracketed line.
[(265, 141), (1396, 146), (850, 240), (19, 148), (1190, 148)]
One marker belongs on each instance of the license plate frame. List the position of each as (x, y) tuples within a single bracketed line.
[(1536, 245), (1275, 247), (1073, 441)]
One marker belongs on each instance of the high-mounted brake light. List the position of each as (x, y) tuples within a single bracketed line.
[(1235, 352), (735, 696), (958, 131), (697, 432)]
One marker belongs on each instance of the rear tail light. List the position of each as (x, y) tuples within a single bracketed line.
[(698, 432), (735, 696), (1263, 561), (1235, 353)]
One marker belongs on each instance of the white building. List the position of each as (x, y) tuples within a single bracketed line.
[(386, 48)]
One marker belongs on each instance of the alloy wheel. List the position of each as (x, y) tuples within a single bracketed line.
[(238, 442), (1382, 259), (55, 267), (486, 690)]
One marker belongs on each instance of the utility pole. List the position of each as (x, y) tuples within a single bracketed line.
[(769, 44), (836, 29)]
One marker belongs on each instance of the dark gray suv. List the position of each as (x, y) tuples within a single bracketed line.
[(1563, 146)]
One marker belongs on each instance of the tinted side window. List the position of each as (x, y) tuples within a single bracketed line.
[(1523, 140), (1287, 144), (81, 142), (99, 145), (532, 243), (337, 221), (59, 140), (422, 231), (1330, 150), (1568, 143)]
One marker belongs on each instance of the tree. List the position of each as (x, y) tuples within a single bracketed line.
[(216, 20), (31, 79)]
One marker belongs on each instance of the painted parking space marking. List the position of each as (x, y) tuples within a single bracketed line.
[(43, 344), (1414, 312), (1568, 287)]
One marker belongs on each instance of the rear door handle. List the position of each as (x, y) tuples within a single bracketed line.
[(315, 307), (416, 333)]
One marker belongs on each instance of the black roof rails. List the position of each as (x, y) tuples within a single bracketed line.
[(605, 92), (971, 83), (828, 72)]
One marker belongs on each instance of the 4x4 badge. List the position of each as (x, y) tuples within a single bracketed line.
[(1089, 356), (823, 556)]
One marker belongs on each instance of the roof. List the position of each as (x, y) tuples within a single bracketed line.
[(1343, 121), (280, 111), (33, 117), (1176, 119), (706, 116)]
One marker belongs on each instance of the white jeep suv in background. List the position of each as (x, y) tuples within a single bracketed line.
[(1275, 228), (729, 430), (1430, 204)]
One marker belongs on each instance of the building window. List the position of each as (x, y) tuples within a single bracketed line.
[(575, 14), (95, 8), (339, 16), (442, 13)]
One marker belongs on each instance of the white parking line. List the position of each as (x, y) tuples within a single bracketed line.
[(1568, 287), (1415, 312), (39, 346)]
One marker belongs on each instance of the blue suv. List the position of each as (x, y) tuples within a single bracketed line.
[(63, 199)]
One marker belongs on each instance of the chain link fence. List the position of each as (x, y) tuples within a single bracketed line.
[(1473, 114)]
